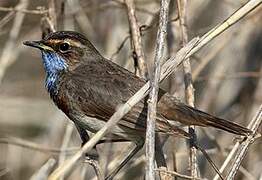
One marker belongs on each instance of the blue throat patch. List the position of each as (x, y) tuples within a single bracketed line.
[(53, 65)]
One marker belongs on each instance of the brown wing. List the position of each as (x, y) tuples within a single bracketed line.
[(99, 87)]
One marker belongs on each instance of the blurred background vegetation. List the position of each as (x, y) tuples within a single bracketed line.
[(227, 76)]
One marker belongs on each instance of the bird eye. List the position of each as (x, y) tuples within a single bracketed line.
[(63, 47)]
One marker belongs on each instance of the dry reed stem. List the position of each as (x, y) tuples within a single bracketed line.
[(248, 74), (253, 125), (207, 59), (154, 84), (37, 147), (176, 174), (189, 89), (44, 171), (8, 55), (97, 168), (218, 29), (136, 40), (52, 13), (27, 11), (240, 148), (81, 17), (6, 19), (65, 142)]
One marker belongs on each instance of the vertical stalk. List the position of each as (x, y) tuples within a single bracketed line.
[(189, 89), (152, 101)]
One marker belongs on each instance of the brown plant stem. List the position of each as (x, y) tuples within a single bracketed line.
[(189, 89), (138, 55)]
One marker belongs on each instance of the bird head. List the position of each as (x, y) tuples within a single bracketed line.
[(63, 50)]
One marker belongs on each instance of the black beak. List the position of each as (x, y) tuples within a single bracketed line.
[(37, 44)]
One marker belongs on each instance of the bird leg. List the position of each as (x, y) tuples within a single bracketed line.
[(193, 142), (85, 137), (138, 146), (83, 134)]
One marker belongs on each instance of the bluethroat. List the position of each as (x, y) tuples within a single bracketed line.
[(88, 88)]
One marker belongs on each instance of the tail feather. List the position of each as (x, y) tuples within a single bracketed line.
[(228, 126), (205, 119), (173, 109)]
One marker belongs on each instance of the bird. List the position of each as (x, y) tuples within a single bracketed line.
[(89, 88)]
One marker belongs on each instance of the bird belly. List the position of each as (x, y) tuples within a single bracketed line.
[(93, 125)]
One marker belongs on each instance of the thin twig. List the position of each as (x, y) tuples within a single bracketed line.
[(242, 150), (65, 142), (213, 165), (152, 101), (144, 29), (173, 173), (235, 17), (49, 22), (34, 146), (111, 6), (6, 18), (44, 171), (253, 125), (247, 74), (97, 168), (52, 14), (189, 89), (247, 174), (81, 17), (40, 11), (120, 47), (138, 56), (160, 157), (8, 55), (209, 57)]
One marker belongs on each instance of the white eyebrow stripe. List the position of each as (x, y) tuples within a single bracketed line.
[(73, 43)]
